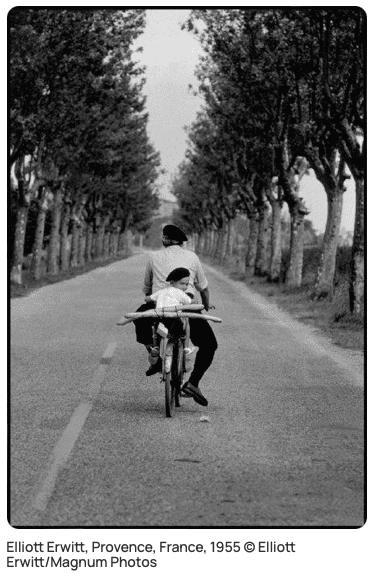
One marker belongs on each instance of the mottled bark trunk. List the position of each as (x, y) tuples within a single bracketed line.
[(111, 243), (39, 236), (357, 278), (327, 264), (23, 201), (64, 253), (275, 260), (218, 242), (54, 240), (99, 240), (213, 241), (128, 242), (19, 244), (116, 240), (82, 245), (76, 230), (106, 245), (252, 242), (122, 241), (198, 243), (141, 237), (261, 265), (206, 240), (223, 242), (191, 243), (231, 234), (294, 271), (89, 243)]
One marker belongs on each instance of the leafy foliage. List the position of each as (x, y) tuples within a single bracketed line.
[(77, 110)]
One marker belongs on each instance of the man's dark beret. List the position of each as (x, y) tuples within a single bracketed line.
[(174, 233)]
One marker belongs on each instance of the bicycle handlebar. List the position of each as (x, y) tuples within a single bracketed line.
[(165, 314)]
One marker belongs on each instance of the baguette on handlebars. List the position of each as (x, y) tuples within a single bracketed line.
[(162, 313), (176, 308)]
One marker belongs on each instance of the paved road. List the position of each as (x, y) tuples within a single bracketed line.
[(90, 445)]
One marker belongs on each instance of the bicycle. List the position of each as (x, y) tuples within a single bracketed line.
[(171, 346)]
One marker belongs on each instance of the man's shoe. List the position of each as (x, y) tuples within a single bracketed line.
[(154, 368), (193, 391)]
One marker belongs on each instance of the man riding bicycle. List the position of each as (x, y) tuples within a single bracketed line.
[(158, 267)]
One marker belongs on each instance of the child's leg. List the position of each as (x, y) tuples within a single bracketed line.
[(187, 347), (187, 333)]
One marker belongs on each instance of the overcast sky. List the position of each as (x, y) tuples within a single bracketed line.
[(170, 55)]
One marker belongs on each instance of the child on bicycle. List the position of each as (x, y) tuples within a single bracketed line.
[(172, 295)]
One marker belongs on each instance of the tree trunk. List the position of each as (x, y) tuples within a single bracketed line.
[(223, 241), (106, 245), (64, 257), (128, 242), (39, 235), (275, 260), (294, 271), (54, 240), (192, 242), (357, 278), (76, 227), (122, 241), (252, 243), (199, 243), (19, 244), (89, 243), (213, 241), (82, 245), (231, 234), (99, 239), (23, 199), (260, 268), (217, 243), (116, 240), (111, 245), (326, 269), (203, 241)]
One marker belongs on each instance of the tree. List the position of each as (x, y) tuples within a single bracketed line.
[(78, 124), (278, 82)]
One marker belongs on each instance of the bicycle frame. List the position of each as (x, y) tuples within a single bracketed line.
[(171, 347), (173, 366)]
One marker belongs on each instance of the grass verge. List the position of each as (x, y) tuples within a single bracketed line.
[(331, 317)]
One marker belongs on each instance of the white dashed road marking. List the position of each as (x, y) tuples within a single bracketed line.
[(65, 445)]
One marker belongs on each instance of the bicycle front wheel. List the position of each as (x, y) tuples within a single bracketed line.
[(178, 372), (169, 395)]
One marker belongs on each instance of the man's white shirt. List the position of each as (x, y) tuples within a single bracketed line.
[(162, 262)]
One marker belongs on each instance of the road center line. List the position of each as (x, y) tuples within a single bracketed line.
[(65, 444)]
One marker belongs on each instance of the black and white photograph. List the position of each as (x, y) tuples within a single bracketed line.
[(187, 285)]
